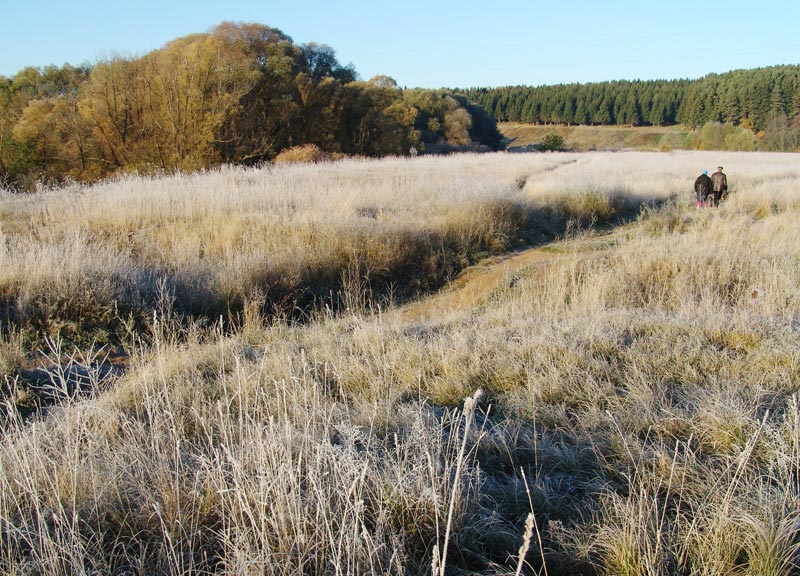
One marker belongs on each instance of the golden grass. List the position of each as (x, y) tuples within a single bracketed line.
[(85, 262), (640, 389), (585, 138)]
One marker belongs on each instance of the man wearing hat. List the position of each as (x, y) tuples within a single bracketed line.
[(719, 185)]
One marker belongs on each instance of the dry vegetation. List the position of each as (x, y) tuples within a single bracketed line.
[(78, 261), (584, 138), (628, 406)]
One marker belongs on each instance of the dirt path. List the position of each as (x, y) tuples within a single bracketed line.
[(475, 283)]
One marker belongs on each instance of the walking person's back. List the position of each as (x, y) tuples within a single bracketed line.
[(719, 184), (702, 188)]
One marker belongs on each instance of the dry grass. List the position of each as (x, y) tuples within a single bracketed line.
[(585, 138), (89, 262), (640, 393)]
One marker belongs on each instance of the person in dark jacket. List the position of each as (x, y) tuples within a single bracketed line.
[(719, 185), (702, 187)]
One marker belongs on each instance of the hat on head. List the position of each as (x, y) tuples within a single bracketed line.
[(719, 167), (705, 172)]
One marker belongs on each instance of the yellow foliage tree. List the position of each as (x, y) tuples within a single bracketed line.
[(113, 102), (194, 84), (60, 137), (457, 122)]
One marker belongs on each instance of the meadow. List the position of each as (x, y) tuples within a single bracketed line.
[(625, 404), (592, 138)]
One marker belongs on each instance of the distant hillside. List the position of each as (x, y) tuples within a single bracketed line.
[(518, 137), (760, 99)]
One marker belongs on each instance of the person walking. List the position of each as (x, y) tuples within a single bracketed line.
[(719, 185), (702, 188)]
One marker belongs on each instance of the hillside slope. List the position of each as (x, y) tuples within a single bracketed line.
[(518, 136)]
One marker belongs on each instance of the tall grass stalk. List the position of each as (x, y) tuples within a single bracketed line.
[(470, 404)]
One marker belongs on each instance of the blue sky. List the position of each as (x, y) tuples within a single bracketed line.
[(434, 43)]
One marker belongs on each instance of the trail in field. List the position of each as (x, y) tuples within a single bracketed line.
[(475, 283)]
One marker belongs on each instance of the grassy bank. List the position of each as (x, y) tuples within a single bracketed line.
[(585, 138), (629, 406), (93, 263)]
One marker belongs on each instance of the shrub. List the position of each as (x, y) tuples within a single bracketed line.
[(716, 136), (741, 139), (305, 154), (553, 142)]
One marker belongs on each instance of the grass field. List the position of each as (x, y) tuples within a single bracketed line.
[(585, 138), (619, 398)]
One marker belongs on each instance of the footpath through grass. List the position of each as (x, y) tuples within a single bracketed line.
[(94, 266), (629, 406)]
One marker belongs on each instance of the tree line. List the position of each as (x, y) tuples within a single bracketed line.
[(758, 99), (240, 93)]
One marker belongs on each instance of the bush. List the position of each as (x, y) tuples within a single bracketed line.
[(742, 140), (553, 142), (716, 136), (305, 154)]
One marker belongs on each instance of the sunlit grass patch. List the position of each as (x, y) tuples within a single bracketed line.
[(639, 405)]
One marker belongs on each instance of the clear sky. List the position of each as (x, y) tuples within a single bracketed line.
[(434, 43)]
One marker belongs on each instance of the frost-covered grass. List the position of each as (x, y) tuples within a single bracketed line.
[(638, 392)]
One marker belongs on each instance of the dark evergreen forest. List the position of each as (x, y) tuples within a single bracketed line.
[(756, 99)]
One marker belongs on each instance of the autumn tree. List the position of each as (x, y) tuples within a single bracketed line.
[(457, 123), (439, 122), (16, 158), (193, 86), (60, 137), (320, 62), (321, 97), (239, 93), (376, 121), (41, 132), (430, 114), (114, 103), (268, 115)]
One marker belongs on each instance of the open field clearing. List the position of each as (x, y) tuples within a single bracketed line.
[(584, 138), (76, 261), (621, 395)]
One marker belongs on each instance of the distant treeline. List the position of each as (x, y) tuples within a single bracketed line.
[(241, 93), (757, 99)]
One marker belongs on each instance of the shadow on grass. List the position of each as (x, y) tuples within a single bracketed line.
[(375, 272)]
